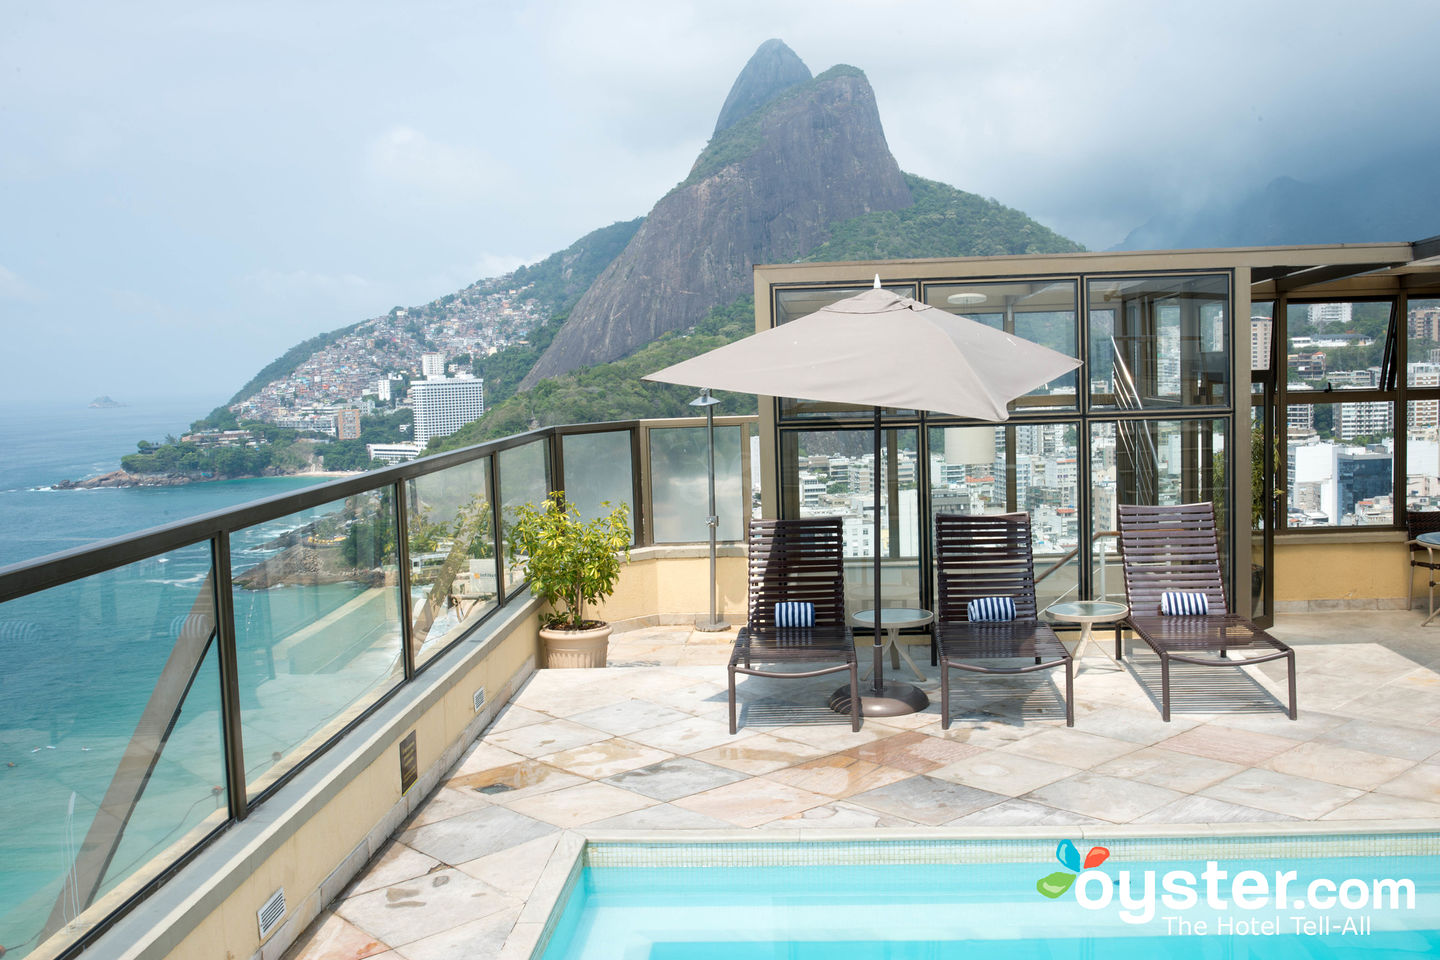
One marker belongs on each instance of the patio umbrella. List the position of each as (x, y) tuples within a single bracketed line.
[(885, 350)]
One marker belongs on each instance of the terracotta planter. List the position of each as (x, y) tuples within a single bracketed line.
[(576, 648)]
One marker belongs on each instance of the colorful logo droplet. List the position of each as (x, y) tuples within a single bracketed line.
[(1054, 885)]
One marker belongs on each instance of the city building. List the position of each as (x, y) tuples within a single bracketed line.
[(347, 424), (444, 405), (432, 365), (393, 452), (1260, 330), (1366, 420)]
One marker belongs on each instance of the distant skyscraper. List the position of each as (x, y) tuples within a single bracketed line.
[(1260, 331), (1327, 313), (432, 365), (443, 406)]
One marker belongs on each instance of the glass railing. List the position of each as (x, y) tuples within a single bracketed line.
[(154, 688)]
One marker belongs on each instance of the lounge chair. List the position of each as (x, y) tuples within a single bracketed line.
[(1416, 523), (796, 562), (1173, 550), (986, 557)]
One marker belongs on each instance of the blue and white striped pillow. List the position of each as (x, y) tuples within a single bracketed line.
[(991, 609), (1184, 603), (794, 613)]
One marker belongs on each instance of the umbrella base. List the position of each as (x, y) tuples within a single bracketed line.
[(891, 700), (712, 626)]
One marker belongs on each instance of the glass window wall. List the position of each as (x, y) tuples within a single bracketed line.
[(831, 473), (679, 484), (452, 555), (110, 693), (598, 475), (1159, 342), (317, 626), (524, 478)]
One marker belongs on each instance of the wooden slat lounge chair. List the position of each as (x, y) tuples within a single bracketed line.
[(1421, 555), (1174, 548), (796, 561), (990, 556)]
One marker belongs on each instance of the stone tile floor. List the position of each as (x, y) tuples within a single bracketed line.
[(644, 745)]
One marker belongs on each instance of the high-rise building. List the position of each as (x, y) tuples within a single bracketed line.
[(1260, 332), (432, 365), (347, 424), (443, 406)]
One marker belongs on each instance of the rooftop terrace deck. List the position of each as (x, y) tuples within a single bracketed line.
[(643, 746)]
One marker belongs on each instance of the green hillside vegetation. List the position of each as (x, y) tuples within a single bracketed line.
[(943, 222), (736, 142), (561, 278), (614, 391), (284, 451)]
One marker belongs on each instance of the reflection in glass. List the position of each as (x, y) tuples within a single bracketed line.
[(831, 473), (1158, 342), (452, 554), (317, 626), (96, 675), (1156, 462), (1016, 469), (1041, 311), (1422, 457), (524, 478), (597, 471), (1334, 481), (1423, 355), (679, 484), (1337, 345)]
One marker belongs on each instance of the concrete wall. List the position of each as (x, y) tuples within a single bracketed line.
[(671, 584), (1335, 571)]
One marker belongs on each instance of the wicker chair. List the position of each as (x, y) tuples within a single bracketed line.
[(990, 556), (1416, 523), (1174, 548), (796, 561)]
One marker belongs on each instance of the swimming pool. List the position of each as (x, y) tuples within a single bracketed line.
[(1274, 898)]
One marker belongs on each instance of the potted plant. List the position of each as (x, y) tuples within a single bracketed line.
[(571, 563)]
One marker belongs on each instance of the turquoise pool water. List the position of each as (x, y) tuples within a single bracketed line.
[(938, 911)]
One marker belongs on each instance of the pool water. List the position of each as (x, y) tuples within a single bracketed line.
[(939, 911)]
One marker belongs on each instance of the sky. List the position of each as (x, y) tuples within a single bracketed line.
[(189, 188)]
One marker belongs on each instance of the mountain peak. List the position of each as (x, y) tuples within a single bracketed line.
[(773, 69)]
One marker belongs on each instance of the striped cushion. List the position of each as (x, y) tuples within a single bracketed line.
[(794, 613), (1184, 603), (990, 608)]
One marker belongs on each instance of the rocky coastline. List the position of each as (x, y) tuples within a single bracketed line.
[(123, 478)]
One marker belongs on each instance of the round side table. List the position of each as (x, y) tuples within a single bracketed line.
[(892, 621)]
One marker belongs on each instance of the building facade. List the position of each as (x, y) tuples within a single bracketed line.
[(443, 406)]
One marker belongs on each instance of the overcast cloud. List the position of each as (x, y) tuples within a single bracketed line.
[(187, 189)]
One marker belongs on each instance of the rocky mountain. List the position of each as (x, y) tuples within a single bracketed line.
[(766, 189)]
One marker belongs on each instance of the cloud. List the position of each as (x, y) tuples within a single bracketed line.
[(291, 283), (12, 287), (408, 157)]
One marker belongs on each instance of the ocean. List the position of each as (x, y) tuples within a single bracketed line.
[(43, 445)]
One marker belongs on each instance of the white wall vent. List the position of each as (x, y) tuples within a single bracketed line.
[(272, 912), (479, 698)]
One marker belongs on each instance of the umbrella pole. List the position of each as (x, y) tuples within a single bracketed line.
[(881, 699)]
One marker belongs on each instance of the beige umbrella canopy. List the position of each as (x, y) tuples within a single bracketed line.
[(882, 349), (886, 350)]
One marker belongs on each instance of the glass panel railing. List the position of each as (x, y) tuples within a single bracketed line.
[(598, 471), (317, 623), (679, 484), (109, 720), (524, 478), (452, 554)]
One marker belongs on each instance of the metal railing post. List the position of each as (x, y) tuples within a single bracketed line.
[(402, 554), (232, 737)]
